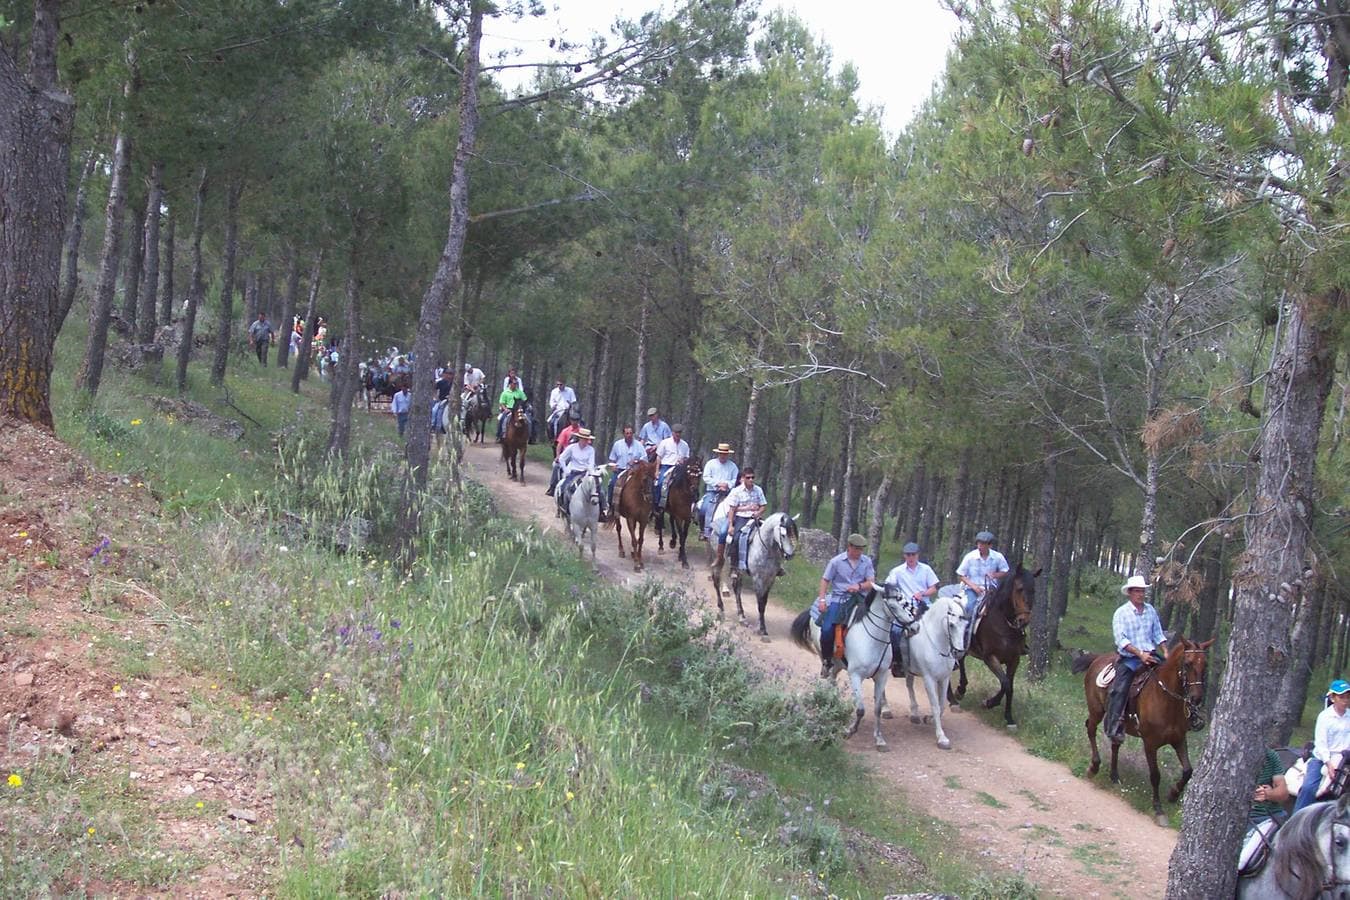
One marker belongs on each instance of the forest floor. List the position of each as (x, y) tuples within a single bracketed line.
[(1022, 814)]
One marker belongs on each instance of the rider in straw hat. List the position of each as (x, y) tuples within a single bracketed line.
[(575, 461), (1140, 641), (719, 475)]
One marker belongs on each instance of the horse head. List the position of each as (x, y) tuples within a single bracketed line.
[(1018, 592), (786, 531), (903, 610), (949, 617), (1310, 856), (1192, 663)]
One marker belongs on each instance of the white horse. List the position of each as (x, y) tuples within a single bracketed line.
[(583, 509), (1309, 857), (867, 647), (933, 651), (769, 546)]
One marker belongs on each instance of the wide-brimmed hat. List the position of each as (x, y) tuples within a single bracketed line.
[(984, 537), (1135, 581), (585, 433), (857, 540), (1339, 686), (911, 547), (724, 447), (651, 410)]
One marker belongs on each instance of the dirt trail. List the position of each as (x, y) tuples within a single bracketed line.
[(1021, 813)]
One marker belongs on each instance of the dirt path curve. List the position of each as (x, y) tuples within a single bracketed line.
[(1021, 813)]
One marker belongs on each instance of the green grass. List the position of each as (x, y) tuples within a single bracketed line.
[(495, 723)]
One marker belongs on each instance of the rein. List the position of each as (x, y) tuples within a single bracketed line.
[(1194, 711), (884, 639)]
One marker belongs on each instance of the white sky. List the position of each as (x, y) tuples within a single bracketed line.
[(898, 47)]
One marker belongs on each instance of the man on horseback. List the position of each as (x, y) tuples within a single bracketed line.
[(671, 452), (1140, 642), (980, 572), (916, 581), (745, 504), (575, 461), (507, 402), (473, 378), (654, 430), (626, 451), (560, 399), (847, 577), (719, 475)]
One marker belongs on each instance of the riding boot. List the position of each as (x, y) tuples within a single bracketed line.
[(1115, 710), (897, 652), (826, 652)]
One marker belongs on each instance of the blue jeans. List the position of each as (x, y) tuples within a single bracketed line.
[(402, 422), (706, 507), (1307, 795), (972, 602)]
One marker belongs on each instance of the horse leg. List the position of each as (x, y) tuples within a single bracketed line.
[(856, 679), (879, 702), (618, 531), (913, 700), (637, 543), (1154, 776), (1094, 716), (935, 702), (1184, 757), (740, 610), (1115, 762), (961, 683), (715, 573), (661, 533), (994, 664), (762, 600), (1007, 699)]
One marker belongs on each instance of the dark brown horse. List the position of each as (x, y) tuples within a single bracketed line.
[(680, 507), (515, 441), (477, 412), (1172, 703), (633, 503), (1000, 639)]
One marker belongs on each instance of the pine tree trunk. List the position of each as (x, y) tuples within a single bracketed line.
[(74, 237), (930, 510), (643, 351), (286, 324), (603, 420), (787, 481), (145, 330), (36, 119), (693, 391), (301, 370), (131, 286), (1278, 535), (1065, 560), (877, 519), (443, 285), (100, 310), (1148, 520), (224, 329), (962, 513), (840, 523), (811, 502), (752, 413), (166, 294), (590, 405), (347, 377), (1294, 688), (196, 286), (1039, 663)]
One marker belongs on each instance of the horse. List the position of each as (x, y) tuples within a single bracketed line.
[(1171, 703), (477, 412), (633, 504), (1000, 638), (515, 441), (1309, 857), (867, 648), (770, 544), (559, 419), (680, 499), (939, 642), (583, 509)]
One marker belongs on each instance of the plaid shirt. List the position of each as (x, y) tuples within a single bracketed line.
[(1142, 628)]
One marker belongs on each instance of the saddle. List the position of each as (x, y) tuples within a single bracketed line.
[(1256, 849), (663, 486), (565, 492), (743, 544), (853, 608), (1107, 676)]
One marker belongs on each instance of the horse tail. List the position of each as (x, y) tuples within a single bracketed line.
[(801, 630), (1081, 661)]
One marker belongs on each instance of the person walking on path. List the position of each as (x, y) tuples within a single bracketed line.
[(260, 334), (401, 407)]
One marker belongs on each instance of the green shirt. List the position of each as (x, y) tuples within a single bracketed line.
[(509, 398), (1269, 769)]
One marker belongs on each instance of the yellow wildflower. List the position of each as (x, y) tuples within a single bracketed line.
[(135, 421), (15, 781)]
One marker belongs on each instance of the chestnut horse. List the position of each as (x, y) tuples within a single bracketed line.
[(1000, 638), (634, 504), (515, 441), (1172, 703), (679, 506)]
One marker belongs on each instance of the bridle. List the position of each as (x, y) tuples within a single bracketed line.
[(1195, 711), (775, 542), (884, 621), (953, 651)]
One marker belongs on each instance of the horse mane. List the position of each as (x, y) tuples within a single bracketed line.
[(1295, 858)]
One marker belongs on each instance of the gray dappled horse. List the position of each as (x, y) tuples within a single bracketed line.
[(773, 542), (938, 645), (1309, 857), (583, 509)]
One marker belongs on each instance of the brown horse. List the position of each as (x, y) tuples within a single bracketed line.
[(1000, 639), (680, 507), (1172, 703), (634, 504), (515, 441)]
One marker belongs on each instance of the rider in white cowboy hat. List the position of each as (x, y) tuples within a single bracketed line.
[(720, 475), (1139, 641), (980, 571)]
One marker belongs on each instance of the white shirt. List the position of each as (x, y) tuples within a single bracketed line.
[(561, 398), (1331, 734), (473, 378), (577, 458), (672, 451), (716, 472), (624, 454), (912, 582), (741, 497)]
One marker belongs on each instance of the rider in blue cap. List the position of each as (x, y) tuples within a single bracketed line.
[(1331, 736)]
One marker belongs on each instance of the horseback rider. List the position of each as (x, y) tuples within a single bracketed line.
[(671, 452), (745, 504), (560, 399), (1140, 642), (444, 385), (627, 451), (916, 581), (847, 577), (566, 438), (1331, 737), (719, 476), (507, 402), (653, 431), (473, 379), (575, 461), (980, 572)]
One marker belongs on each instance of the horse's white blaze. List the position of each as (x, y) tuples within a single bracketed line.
[(932, 652)]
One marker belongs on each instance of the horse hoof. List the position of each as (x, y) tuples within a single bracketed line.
[(887, 714), (882, 747), (1162, 821), (1115, 779), (944, 744), (1011, 726), (915, 720), (764, 638), (928, 720)]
